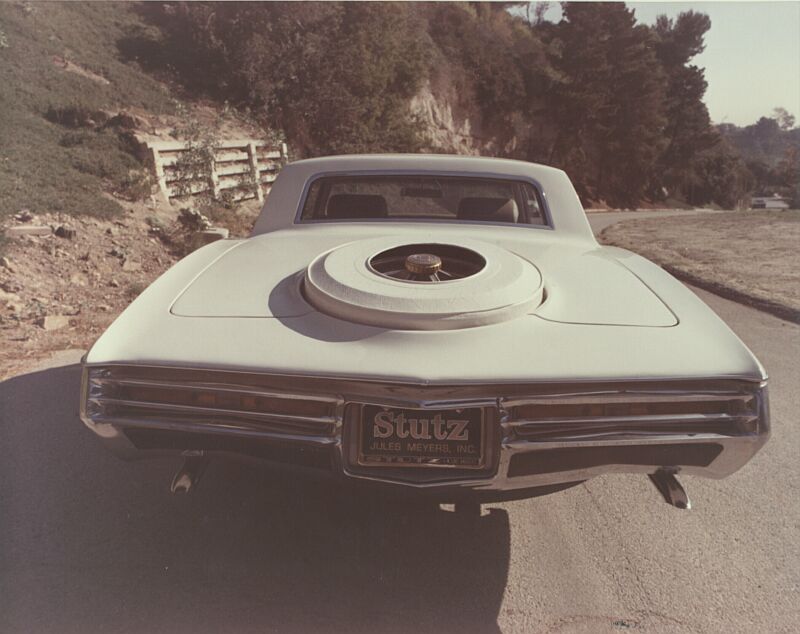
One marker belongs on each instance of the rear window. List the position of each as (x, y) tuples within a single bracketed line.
[(473, 199)]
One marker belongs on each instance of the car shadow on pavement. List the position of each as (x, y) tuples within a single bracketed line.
[(91, 543)]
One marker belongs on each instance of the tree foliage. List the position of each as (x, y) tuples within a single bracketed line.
[(607, 109), (770, 149), (617, 104), (688, 131), (336, 77)]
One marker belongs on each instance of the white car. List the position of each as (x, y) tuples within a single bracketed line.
[(441, 325)]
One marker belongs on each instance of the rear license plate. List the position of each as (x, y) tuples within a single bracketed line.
[(401, 437)]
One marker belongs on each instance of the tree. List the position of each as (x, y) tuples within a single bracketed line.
[(788, 175), (617, 104), (688, 131), (763, 141), (336, 77), (719, 176), (480, 50), (539, 9), (607, 108), (784, 119)]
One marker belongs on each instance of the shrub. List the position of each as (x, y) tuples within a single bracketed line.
[(74, 115), (336, 77)]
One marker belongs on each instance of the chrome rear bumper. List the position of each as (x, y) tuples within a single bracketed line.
[(543, 435)]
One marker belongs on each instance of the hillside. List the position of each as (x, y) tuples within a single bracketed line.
[(71, 111), (63, 83), (81, 81), (76, 105)]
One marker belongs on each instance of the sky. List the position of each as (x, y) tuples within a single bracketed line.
[(752, 56)]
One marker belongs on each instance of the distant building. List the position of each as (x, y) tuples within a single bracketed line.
[(770, 202)]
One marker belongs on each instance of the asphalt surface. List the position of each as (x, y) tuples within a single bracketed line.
[(92, 544)]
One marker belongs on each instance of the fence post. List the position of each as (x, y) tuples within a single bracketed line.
[(159, 170), (252, 154), (214, 176), (284, 154)]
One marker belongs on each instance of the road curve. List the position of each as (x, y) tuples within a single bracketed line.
[(91, 544)]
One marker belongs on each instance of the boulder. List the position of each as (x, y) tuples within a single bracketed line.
[(78, 279), (62, 231), (8, 298), (53, 322), (202, 238)]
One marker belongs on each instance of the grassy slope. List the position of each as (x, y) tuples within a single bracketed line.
[(754, 254), (45, 166)]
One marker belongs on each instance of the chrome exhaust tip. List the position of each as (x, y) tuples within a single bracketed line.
[(671, 490), (189, 474)]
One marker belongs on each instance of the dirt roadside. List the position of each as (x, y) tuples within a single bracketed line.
[(62, 284), (750, 257), (62, 291)]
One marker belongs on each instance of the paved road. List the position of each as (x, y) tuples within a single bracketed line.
[(91, 544)]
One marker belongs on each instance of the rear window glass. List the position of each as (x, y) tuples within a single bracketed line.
[(473, 199)]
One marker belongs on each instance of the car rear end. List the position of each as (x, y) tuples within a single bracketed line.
[(490, 440), (489, 348)]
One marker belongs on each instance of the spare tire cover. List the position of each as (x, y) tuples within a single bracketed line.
[(343, 284)]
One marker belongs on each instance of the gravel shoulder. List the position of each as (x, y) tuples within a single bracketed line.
[(64, 279), (748, 256), (62, 292)]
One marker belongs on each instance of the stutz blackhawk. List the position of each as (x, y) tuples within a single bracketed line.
[(440, 325)]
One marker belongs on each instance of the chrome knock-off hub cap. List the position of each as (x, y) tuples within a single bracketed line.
[(423, 263)]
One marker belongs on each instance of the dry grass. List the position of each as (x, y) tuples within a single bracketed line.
[(755, 254)]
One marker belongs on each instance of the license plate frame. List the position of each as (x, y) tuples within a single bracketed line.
[(440, 453)]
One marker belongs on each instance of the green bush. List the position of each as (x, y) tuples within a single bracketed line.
[(336, 77), (75, 115)]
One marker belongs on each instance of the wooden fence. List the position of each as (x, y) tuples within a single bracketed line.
[(247, 167)]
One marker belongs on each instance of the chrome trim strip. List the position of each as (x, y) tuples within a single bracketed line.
[(215, 387), (289, 419), (407, 384), (602, 398), (579, 428), (525, 446), (521, 424), (202, 426)]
